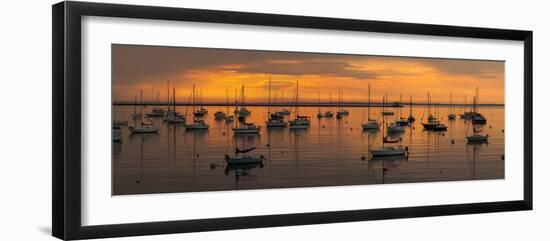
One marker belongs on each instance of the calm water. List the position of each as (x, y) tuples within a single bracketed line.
[(329, 153)]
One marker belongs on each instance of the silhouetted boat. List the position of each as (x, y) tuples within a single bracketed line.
[(143, 127), (370, 124)]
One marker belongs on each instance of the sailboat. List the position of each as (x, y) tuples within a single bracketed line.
[(433, 123), (476, 137), (401, 121), (389, 151), (198, 124), (299, 122), (477, 118), (201, 111), (319, 114), (156, 111), (329, 113), (274, 119), (242, 112), (393, 127), (228, 118), (243, 159), (219, 115), (451, 114), (411, 118), (246, 128), (283, 111), (171, 115), (371, 124), (143, 127), (384, 111), (341, 112)]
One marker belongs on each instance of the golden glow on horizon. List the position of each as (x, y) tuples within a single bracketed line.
[(387, 75)]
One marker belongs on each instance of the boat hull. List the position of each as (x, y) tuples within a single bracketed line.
[(244, 160), (140, 130), (388, 152), (246, 131), (196, 127), (477, 139)]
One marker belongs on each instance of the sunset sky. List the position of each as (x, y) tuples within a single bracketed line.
[(214, 70)]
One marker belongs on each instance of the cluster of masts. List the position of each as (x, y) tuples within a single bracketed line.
[(277, 118)]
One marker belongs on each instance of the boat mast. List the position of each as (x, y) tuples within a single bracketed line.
[(319, 102), (194, 98), (227, 100), (201, 98), (141, 106), (174, 103), (383, 119), (411, 105), (297, 103), (135, 111), (400, 102), (330, 97), (451, 104), (269, 99), (368, 108)]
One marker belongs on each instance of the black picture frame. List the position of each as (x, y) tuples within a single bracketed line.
[(66, 76)]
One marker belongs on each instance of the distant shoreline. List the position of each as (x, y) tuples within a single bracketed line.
[(305, 104)]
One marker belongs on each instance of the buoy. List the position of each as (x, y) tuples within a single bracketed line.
[(443, 134), (197, 154), (223, 133), (490, 127), (351, 129), (363, 158), (346, 122), (323, 126), (137, 181), (453, 141), (268, 145)]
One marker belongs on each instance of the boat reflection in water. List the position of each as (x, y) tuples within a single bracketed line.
[(331, 152)]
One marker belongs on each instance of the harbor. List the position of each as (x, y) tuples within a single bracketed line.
[(330, 152)]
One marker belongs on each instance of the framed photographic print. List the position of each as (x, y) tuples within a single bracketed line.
[(169, 120)]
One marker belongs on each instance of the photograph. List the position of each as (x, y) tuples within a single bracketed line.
[(190, 119)]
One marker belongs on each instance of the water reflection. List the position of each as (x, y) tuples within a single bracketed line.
[(330, 152)]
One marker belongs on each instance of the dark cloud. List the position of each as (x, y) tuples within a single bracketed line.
[(133, 64), (309, 67), (475, 68)]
